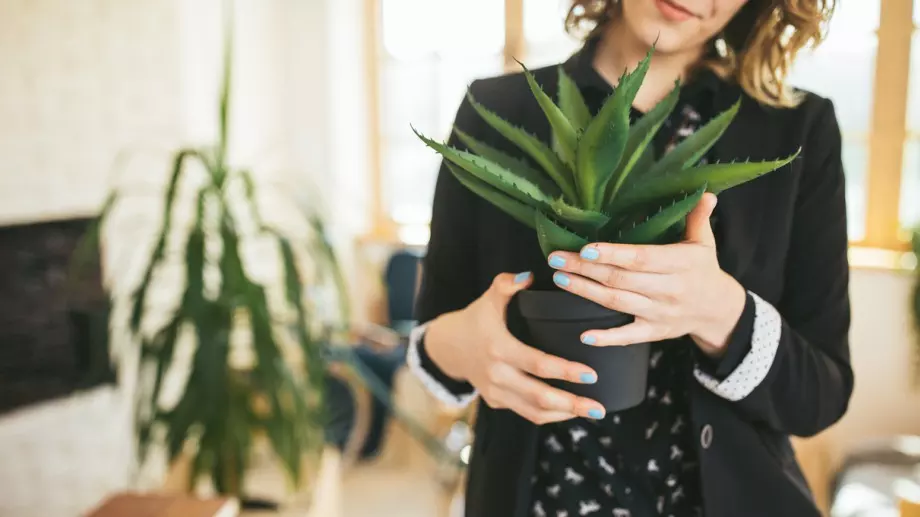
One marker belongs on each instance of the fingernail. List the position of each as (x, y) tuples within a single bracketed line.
[(596, 414), (561, 279), (520, 278), (556, 261), (590, 254), (588, 340), (588, 378)]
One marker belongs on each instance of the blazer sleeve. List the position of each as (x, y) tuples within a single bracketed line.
[(449, 272), (796, 375)]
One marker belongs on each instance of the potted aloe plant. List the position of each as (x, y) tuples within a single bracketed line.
[(598, 181)]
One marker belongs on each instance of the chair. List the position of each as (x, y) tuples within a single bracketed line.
[(402, 278)]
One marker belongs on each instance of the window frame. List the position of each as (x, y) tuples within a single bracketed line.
[(887, 139)]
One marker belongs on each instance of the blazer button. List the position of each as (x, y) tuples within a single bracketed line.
[(706, 436)]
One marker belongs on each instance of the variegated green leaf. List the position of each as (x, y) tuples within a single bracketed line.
[(533, 146), (505, 203), (564, 136), (491, 173), (689, 151), (719, 177), (518, 166), (654, 227), (553, 237), (572, 103), (640, 137)]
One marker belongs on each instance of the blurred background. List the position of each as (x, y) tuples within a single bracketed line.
[(98, 95)]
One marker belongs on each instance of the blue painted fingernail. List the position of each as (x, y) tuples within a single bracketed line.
[(596, 413), (520, 278), (588, 340), (590, 254), (562, 279), (556, 261), (588, 378)]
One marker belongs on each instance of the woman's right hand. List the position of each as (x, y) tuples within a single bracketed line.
[(474, 344)]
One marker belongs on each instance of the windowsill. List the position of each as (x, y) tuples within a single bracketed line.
[(882, 259)]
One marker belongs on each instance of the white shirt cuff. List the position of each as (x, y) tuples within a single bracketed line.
[(768, 327), (434, 387)]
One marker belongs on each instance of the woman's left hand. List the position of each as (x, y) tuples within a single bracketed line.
[(672, 290)]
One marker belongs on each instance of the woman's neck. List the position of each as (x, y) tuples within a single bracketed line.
[(619, 49)]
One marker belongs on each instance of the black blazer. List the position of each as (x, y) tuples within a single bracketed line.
[(783, 236)]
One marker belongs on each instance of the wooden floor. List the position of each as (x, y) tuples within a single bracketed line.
[(382, 491), (403, 480)]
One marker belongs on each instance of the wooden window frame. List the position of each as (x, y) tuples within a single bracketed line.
[(884, 242)]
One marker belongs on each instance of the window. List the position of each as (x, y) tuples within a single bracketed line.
[(428, 51), (851, 39), (431, 50), (910, 175)]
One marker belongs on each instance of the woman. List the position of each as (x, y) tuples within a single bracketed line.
[(749, 314)]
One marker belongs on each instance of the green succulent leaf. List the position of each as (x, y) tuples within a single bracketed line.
[(554, 237), (491, 173), (533, 146), (572, 103), (519, 167), (564, 136), (653, 228), (604, 141), (637, 145), (601, 146), (578, 218), (637, 76), (502, 201), (696, 145), (718, 176)]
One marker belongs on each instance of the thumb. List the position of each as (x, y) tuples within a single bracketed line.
[(506, 285), (698, 227)]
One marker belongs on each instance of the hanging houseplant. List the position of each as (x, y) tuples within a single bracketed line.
[(599, 181)]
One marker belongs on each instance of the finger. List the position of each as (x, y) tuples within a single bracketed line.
[(639, 331), (546, 398), (506, 285), (649, 284), (664, 258), (520, 405), (699, 229), (616, 299), (527, 358)]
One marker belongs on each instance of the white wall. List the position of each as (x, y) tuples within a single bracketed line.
[(882, 339), (71, 98), (84, 82)]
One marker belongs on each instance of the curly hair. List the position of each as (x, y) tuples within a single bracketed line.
[(756, 49)]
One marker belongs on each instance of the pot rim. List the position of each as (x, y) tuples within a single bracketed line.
[(559, 305)]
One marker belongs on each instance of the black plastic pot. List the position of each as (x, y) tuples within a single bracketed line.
[(555, 322)]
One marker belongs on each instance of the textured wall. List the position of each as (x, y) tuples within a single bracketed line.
[(81, 82)]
